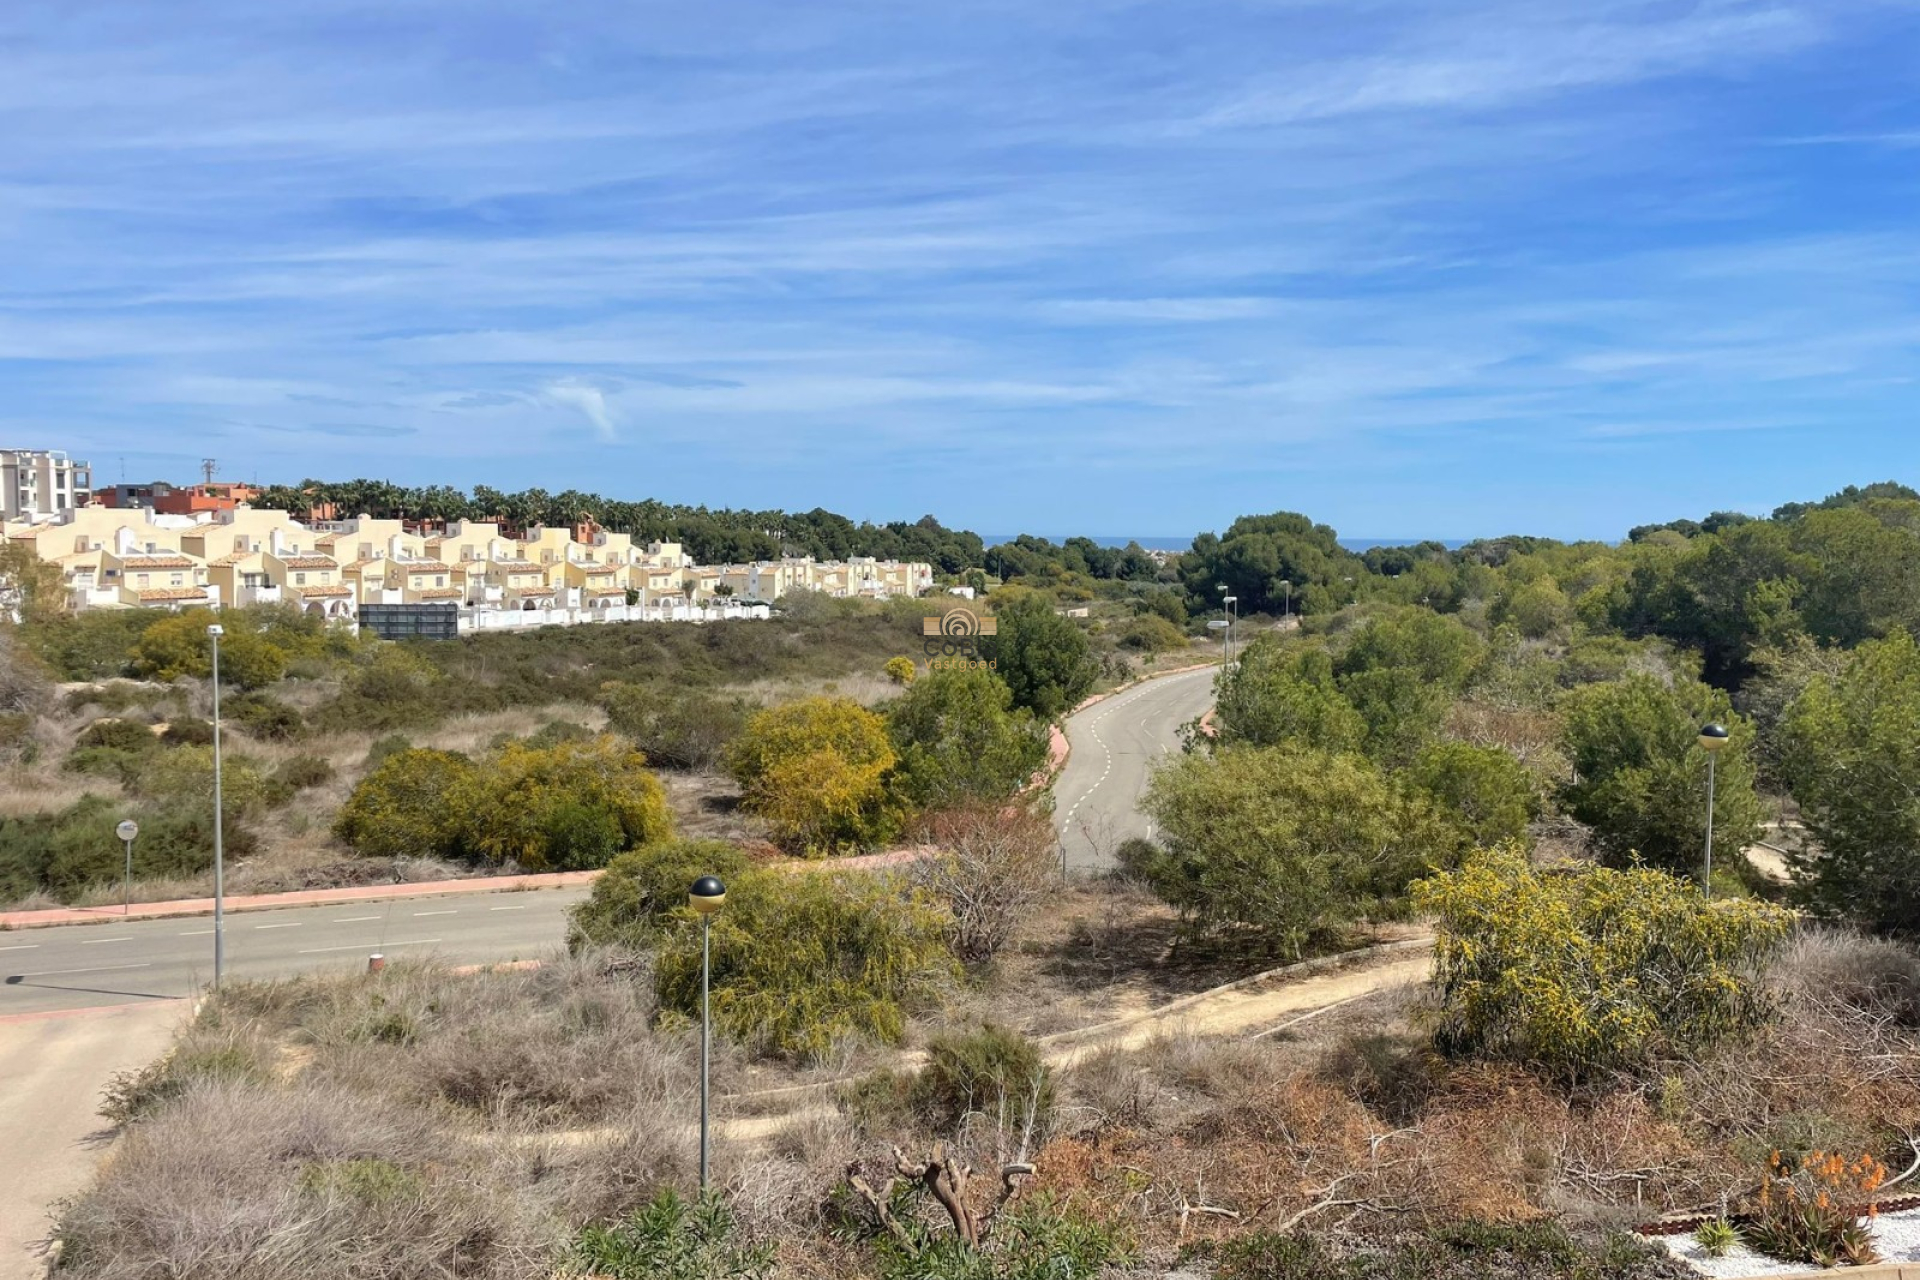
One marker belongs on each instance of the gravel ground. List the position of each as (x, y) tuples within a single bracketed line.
[(1897, 1236)]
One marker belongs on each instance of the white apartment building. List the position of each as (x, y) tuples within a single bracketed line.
[(36, 483)]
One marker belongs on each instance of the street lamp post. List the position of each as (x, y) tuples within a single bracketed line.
[(1286, 599), (706, 897), (1713, 739), (1233, 616), (214, 633), (127, 830)]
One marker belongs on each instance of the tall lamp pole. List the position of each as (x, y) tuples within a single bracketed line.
[(1713, 739), (1233, 616), (1286, 599), (214, 633), (127, 830), (706, 897)]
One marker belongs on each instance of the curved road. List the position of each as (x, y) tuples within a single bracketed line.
[(1115, 743)]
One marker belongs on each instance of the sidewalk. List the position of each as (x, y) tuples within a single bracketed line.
[(380, 892)]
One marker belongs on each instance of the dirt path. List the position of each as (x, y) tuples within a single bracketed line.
[(1250, 1005)]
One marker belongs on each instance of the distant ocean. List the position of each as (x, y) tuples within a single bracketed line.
[(1181, 544)]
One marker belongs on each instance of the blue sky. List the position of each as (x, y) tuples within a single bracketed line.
[(1417, 267)]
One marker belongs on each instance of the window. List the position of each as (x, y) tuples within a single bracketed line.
[(177, 580), (299, 579), (240, 543), (440, 580), (140, 581)]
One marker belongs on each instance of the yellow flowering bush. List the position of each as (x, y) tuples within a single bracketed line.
[(1593, 970)]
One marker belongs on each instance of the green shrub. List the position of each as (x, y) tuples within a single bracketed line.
[(958, 738), (555, 732), (569, 807), (117, 735), (1281, 850), (405, 807), (1593, 971), (184, 775), (1471, 1250), (1641, 778), (106, 762), (1485, 789), (670, 1239), (990, 1070), (1036, 1240), (642, 892), (816, 770), (675, 728), (1151, 633), (802, 961), (188, 731), (298, 773), (263, 717), (384, 749)]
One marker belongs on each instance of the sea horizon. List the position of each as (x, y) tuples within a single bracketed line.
[(1169, 543)]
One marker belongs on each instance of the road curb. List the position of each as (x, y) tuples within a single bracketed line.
[(12, 920)]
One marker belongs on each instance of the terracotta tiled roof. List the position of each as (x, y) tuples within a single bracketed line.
[(323, 591), (442, 593), (536, 591), (608, 591), (421, 566), (173, 593), (360, 564), (157, 562), (310, 562), (518, 566), (235, 558)]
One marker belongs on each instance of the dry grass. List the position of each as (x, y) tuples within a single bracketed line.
[(412, 1123)]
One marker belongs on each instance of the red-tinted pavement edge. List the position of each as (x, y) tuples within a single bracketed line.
[(378, 892)]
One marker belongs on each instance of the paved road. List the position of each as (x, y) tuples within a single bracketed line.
[(1115, 744), (84, 966)]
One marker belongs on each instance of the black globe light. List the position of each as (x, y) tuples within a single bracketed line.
[(1713, 737), (707, 895)]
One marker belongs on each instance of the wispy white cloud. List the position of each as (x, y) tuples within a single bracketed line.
[(588, 400)]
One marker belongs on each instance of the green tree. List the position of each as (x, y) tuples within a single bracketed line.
[(1257, 554), (406, 807), (1401, 672), (958, 737), (1851, 751), (1641, 776), (1491, 794), (568, 807), (1284, 848), (32, 590), (1590, 972), (1278, 694), (816, 770), (1043, 657), (1536, 609), (801, 961), (178, 645)]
